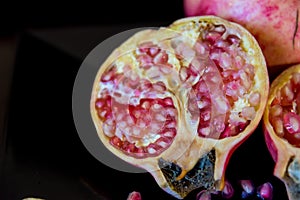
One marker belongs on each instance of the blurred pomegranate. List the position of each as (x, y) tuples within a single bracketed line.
[(282, 128), (179, 100), (274, 23)]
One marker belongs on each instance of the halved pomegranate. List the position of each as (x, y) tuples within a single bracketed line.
[(179, 100), (282, 128)]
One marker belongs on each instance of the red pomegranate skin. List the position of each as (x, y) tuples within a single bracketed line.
[(274, 23)]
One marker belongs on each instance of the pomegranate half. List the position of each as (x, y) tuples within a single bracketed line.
[(177, 101), (282, 128)]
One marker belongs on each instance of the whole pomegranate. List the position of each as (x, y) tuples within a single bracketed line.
[(177, 101), (282, 128), (274, 23)]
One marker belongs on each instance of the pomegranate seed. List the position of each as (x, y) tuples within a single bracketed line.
[(203, 195), (220, 28), (153, 51), (161, 58), (277, 124), (254, 99), (265, 191), (296, 80), (145, 60), (248, 113), (134, 196), (226, 133), (213, 36), (233, 39), (287, 95), (116, 141), (228, 191), (248, 188), (291, 122), (276, 110)]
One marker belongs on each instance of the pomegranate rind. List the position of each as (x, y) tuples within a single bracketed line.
[(281, 150), (225, 147), (275, 24)]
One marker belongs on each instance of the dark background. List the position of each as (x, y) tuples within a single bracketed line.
[(42, 46), (17, 16)]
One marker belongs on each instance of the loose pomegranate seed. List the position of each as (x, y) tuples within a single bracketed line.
[(228, 191), (265, 191), (134, 196), (247, 187), (203, 195)]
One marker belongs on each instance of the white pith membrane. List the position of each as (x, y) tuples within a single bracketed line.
[(179, 93)]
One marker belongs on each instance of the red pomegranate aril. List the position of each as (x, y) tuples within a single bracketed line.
[(233, 39), (242, 125), (291, 122), (145, 60), (213, 36), (296, 80), (287, 95), (161, 58), (116, 141), (277, 123), (203, 195), (265, 191), (153, 51), (227, 132), (134, 196), (247, 186), (276, 110), (228, 191), (254, 99)]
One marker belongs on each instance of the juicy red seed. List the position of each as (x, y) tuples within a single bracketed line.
[(220, 28), (226, 132), (144, 47), (153, 51), (100, 103), (228, 191), (116, 141), (161, 58), (203, 195), (241, 126), (145, 60), (265, 191), (213, 36), (205, 115), (134, 196), (233, 39), (168, 101), (109, 75), (291, 122), (131, 148), (247, 186)]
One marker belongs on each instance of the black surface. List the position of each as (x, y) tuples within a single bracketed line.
[(17, 15), (45, 157)]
